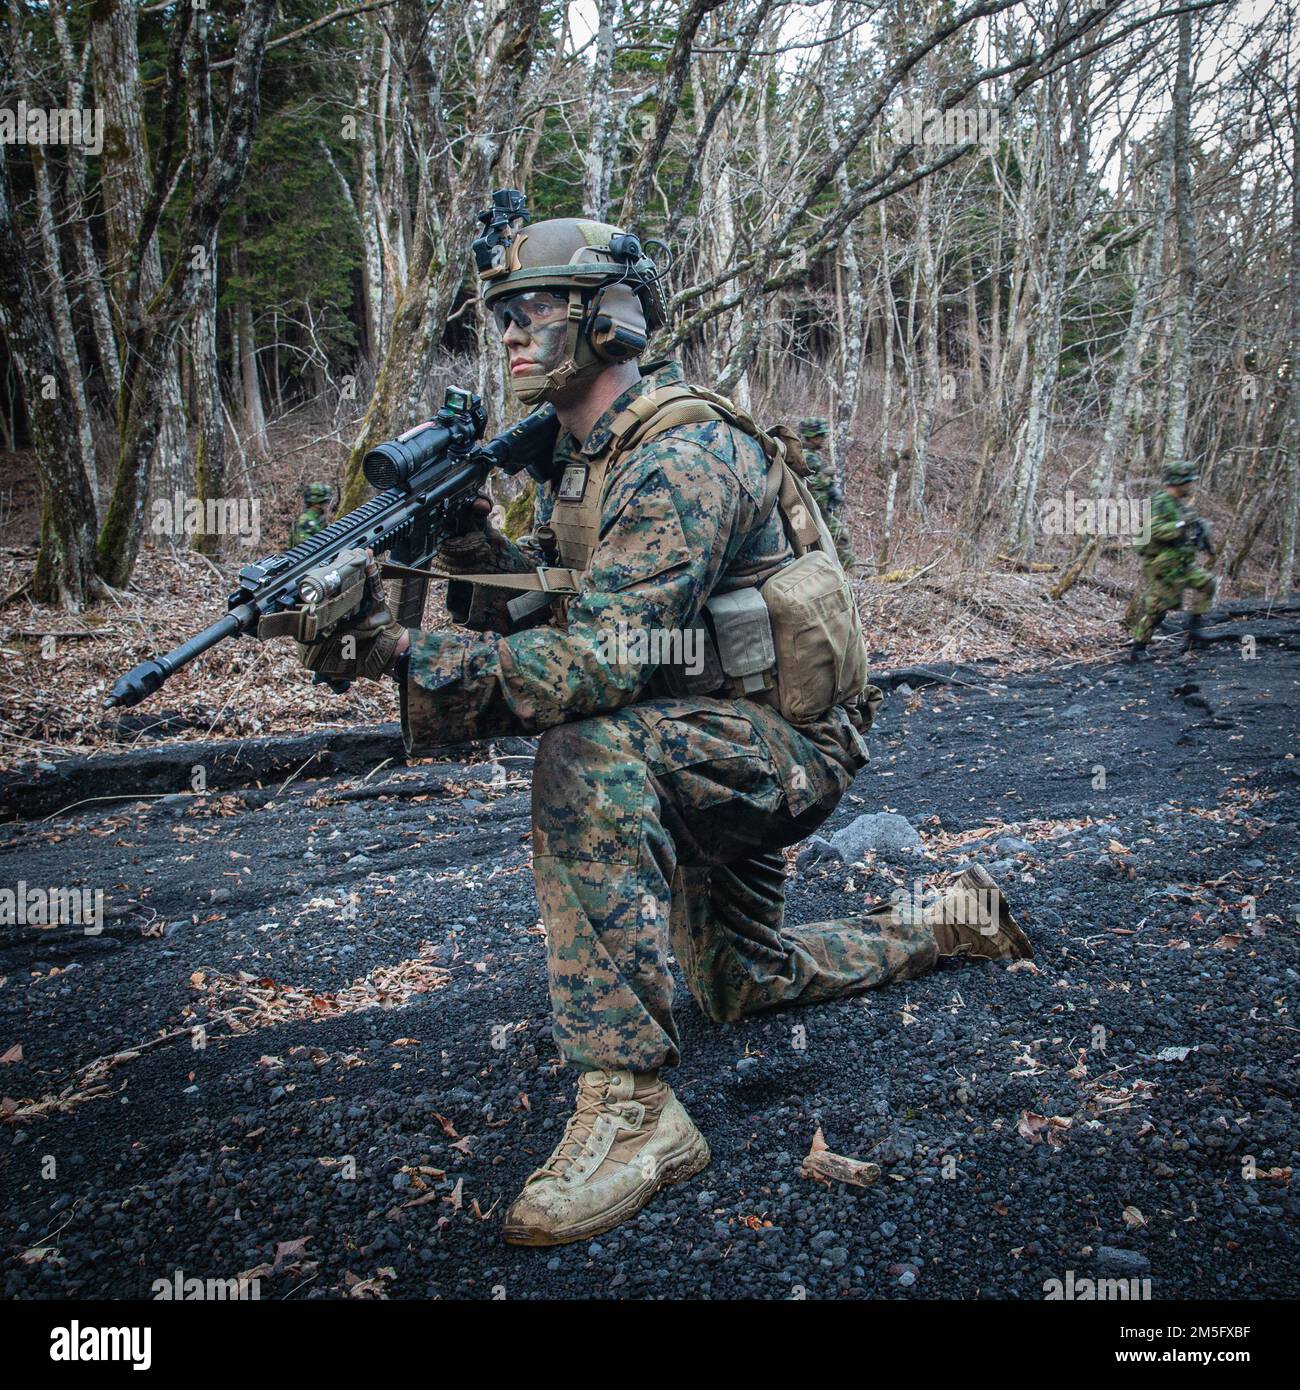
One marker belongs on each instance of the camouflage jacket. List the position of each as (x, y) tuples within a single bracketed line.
[(820, 482), (678, 512), (308, 523), (1173, 526)]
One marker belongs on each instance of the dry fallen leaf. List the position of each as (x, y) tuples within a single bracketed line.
[(14, 1054), (1037, 1128), (285, 1248), (1133, 1218)]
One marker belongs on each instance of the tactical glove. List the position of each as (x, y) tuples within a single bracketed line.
[(835, 497), (359, 647), (475, 546), (471, 542)]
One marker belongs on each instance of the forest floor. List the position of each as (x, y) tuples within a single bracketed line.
[(312, 1043), (943, 597), (938, 605)]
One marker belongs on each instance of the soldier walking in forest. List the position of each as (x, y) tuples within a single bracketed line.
[(825, 490), (317, 497), (663, 791), (1169, 563)]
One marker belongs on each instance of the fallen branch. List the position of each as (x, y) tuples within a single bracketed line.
[(823, 1166)]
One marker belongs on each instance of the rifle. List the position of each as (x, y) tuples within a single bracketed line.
[(426, 475), (1201, 538)]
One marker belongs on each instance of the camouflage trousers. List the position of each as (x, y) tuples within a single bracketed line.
[(1164, 577), (843, 546), (657, 829)]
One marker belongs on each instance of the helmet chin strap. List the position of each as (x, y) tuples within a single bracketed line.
[(580, 362)]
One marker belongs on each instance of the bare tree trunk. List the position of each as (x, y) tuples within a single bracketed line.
[(205, 373), (598, 161), (854, 324), (927, 275), (125, 183), (254, 412), (1135, 335), (65, 339), (1180, 347), (1291, 459), (154, 321), (65, 572), (974, 348), (92, 276)]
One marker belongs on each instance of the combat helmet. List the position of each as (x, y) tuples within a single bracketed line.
[(614, 289), (814, 427), (1179, 473), (315, 493)]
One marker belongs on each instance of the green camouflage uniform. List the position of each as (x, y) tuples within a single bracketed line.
[(308, 523), (1168, 567), (820, 484), (658, 820)]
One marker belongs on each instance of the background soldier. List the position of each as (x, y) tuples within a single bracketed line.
[(825, 490), (1169, 562), (659, 809), (318, 497)]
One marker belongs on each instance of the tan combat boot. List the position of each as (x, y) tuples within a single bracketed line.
[(973, 919), (628, 1137)]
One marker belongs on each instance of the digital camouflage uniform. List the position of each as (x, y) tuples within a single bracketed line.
[(308, 523), (658, 820), (1168, 567), (820, 484)]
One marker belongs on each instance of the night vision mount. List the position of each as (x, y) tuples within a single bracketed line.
[(500, 222)]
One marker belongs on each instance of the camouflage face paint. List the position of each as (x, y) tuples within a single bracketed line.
[(548, 343)]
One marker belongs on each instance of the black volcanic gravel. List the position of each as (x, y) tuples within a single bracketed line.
[(1147, 840)]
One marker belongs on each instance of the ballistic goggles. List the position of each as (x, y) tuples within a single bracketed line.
[(531, 309)]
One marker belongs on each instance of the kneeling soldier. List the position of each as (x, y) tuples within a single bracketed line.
[(664, 791)]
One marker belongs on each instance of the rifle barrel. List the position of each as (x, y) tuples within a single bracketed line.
[(142, 680)]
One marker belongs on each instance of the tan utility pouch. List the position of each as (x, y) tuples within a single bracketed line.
[(821, 659)]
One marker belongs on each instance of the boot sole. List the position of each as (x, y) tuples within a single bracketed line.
[(676, 1168), (1021, 947)]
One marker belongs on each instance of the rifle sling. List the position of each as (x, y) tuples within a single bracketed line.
[(548, 579)]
